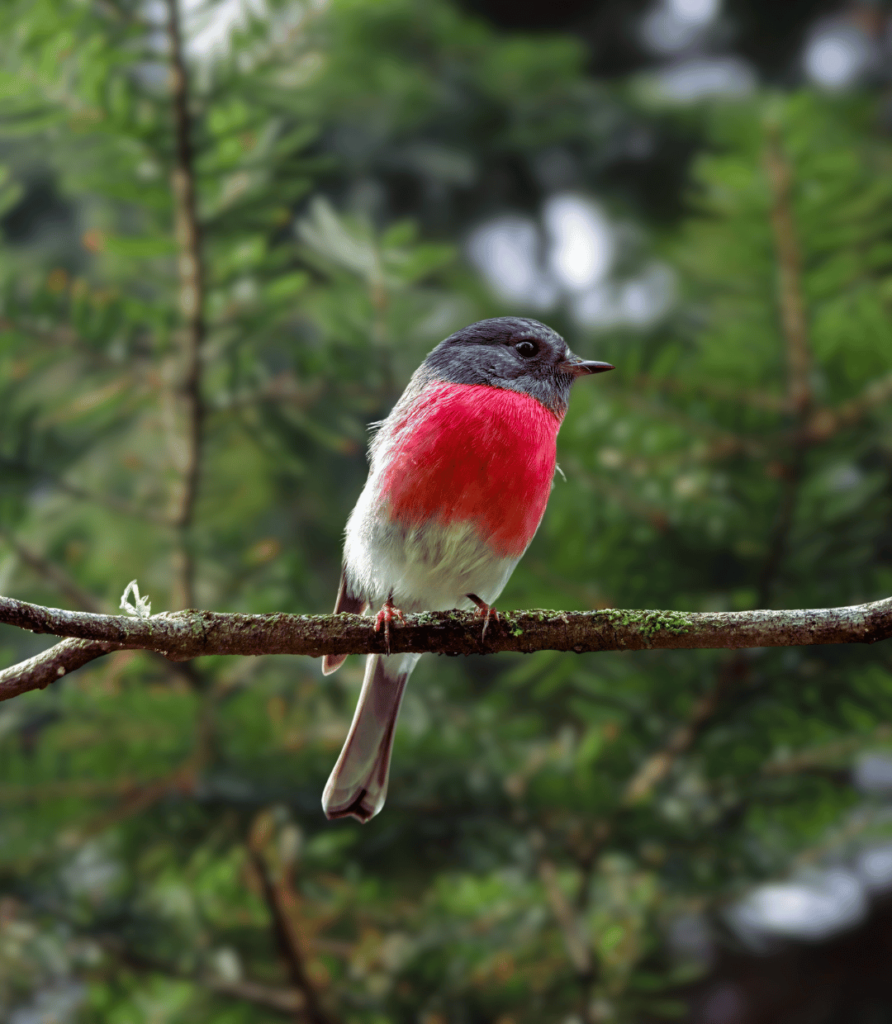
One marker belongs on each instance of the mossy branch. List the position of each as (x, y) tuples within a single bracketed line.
[(181, 636)]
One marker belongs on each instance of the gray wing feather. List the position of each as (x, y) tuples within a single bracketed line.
[(344, 603)]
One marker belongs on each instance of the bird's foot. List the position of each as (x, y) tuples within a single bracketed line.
[(384, 617), (484, 611)]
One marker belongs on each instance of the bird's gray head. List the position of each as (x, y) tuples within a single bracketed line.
[(514, 353)]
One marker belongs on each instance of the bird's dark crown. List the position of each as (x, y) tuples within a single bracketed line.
[(508, 352)]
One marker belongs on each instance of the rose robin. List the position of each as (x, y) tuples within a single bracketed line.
[(460, 475)]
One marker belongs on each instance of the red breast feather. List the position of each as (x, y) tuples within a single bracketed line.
[(473, 453)]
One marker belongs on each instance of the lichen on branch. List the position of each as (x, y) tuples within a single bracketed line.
[(181, 636)]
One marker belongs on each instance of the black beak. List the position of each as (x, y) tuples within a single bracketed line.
[(579, 367)]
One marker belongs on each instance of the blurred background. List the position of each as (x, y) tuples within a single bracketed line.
[(230, 231)]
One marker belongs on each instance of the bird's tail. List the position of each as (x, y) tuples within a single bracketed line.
[(357, 785)]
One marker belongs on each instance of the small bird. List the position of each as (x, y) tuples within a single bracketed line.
[(460, 475)]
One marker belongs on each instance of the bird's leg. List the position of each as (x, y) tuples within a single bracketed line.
[(385, 617), (484, 611)]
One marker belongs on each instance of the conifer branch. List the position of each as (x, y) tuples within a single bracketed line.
[(789, 272), (287, 941), (191, 271), (656, 767), (824, 423), (794, 329), (799, 402), (578, 950), (181, 636), (286, 1002)]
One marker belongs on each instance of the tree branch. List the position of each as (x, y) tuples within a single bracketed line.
[(824, 423), (181, 636), (105, 500), (287, 941), (578, 950), (190, 265), (53, 573), (789, 271), (794, 327), (288, 1002), (49, 667), (656, 767)]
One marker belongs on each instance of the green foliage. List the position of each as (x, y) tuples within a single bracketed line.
[(613, 792)]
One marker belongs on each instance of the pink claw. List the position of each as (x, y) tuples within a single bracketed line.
[(385, 617), (485, 611)]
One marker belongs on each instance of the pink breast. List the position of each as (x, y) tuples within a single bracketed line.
[(477, 454)]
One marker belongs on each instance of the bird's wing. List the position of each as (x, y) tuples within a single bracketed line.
[(344, 603)]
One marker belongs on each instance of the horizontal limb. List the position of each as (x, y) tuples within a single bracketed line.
[(181, 636)]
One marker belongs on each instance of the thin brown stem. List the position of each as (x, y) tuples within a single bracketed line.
[(288, 940), (789, 274), (794, 327), (782, 527), (659, 764), (190, 267), (578, 951), (104, 500), (826, 756), (53, 574), (657, 767), (824, 423)]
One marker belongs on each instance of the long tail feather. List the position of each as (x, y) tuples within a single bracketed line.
[(357, 785)]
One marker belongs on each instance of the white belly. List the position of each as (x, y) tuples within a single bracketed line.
[(429, 567)]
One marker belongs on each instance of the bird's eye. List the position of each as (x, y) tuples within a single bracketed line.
[(527, 348)]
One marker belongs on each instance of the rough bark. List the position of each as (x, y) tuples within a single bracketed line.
[(181, 636)]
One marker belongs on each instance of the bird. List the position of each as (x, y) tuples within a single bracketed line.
[(460, 474)]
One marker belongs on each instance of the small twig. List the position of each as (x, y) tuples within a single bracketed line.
[(720, 443), (53, 574), (104, 500), (823, 757), (824, 423)]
